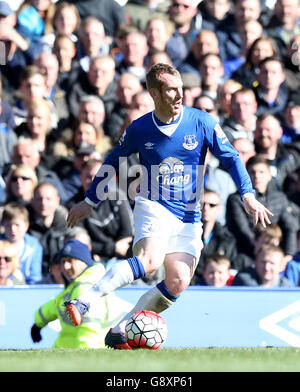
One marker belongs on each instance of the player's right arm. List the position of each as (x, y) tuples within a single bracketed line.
[(107, 172)]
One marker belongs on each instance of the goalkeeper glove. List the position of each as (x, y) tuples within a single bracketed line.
[(36, 333)]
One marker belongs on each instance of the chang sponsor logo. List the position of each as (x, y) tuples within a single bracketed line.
[(171, 172)]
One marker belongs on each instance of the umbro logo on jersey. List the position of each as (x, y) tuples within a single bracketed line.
[(149, 146)]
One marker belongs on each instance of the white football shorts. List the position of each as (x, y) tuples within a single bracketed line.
[(151, 219)]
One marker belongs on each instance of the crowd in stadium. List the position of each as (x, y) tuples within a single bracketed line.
[(73, 78)]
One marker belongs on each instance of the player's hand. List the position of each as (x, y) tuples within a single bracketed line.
[(36, 333), (78, 212), (257, 210)]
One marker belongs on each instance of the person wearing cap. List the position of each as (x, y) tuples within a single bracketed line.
[(80, 272)]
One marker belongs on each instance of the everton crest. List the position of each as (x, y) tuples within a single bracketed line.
[(190, 142)]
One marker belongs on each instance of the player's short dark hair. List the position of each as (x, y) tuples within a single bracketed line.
[(153, 75)]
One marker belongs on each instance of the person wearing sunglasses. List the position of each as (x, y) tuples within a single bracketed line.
[(20, 184), (10, 274)]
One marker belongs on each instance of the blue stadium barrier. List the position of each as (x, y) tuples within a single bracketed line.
[(201, 317)]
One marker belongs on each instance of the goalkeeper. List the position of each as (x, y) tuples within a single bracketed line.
[(80, 273)]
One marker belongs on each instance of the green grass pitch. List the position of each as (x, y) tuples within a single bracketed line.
[(164, 360)]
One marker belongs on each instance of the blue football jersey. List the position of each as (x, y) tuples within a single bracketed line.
[(172, 159)]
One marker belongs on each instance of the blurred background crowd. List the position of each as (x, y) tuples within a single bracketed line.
[(73, 78)]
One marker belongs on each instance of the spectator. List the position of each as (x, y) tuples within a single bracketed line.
[(7, 134), (32, 86), (92, 110), (26, 152), (38, 127), (271, 93), (19, 52), (248, 32), (205, 42), (242, 121), (69, 67), (260, 49), (207, 104), (99, 81), (291, 123), (272, 234), (283, 158), (143, 102), (158, 31), (224, 98), (6, 114), (80, 273), (218, 180), (81, 234), (284, 23), (245, 148), (191, 88), (15, 222), (140, 12), (266, 273), (229, 34), (187, 21), (274, 199), (20, 184), (47, 221), (134, 49), (156, 57), (87, 133), (54, 276), (66, 21), (110, 13), (216, 272), (211, 71), (215, 13), (10, 274), (35, 18), (216, 237), (109, 226), (92, 41), (128, 85), (49, 66), (69, 169)]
